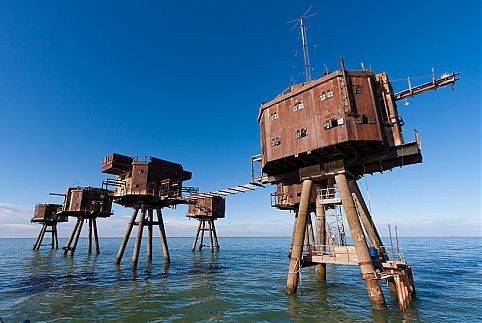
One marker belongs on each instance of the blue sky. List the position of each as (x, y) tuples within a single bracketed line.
[(183, 81)]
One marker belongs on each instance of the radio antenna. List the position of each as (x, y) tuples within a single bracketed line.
[(304, 40)]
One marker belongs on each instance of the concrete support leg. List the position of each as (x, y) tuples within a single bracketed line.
[(165, 248), (40, 237), (203, 226), (89, 243), (293, 232), (54, 227), (364, 260), (215, 236), (320, 237), (365, 216), (150, 217), (137, 246), (77, 235), (126, 236), (197, 236), (96, 237), (211, 242), (71, 238), (297, 251)]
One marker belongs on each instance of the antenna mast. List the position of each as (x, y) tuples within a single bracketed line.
[(304, 41), (306, 56)]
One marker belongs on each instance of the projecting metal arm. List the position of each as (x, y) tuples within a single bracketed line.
[(444, 80)]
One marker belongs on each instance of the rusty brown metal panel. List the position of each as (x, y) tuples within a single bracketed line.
[(207, 207)]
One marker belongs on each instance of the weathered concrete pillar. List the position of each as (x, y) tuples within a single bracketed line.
[(320, 236), (196, 237), (300, 229), (363, 254), (293, 232), (365, 216), (126, 236), (162, 232), (137, 246)]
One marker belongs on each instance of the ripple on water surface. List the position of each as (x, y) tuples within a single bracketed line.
[(244, 281)]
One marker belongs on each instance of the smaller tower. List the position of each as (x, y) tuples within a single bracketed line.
[(207, 210), (47, 215), (86, 204)]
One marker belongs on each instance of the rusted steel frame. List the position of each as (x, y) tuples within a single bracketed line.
[(363, 254), (196, 237), (77, 235), (96, 236), (127, 234), (211, 242), (202, 234), (297, 250), (149, 234), (137, 246), (215, 236), (162, 232), (71, 238), (365, 216), (320, 236)]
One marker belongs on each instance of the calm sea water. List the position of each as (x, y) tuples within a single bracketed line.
[(243, 282)]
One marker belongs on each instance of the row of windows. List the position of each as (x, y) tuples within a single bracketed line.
[(300, 133), (326, 95), (275, 142), (274, 116), (298, 106), (333, 123)]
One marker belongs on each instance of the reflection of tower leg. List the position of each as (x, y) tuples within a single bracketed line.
[(197, 235), (293, 232), (89, 244), (211, 243), (149, 235), (320, 237), (126, 236), (296, 253), (40, 237), (77, 235), (96, 237), (165, 249), (137, 246), (67, 246), (364, 260), (365, 217), (215, 236)]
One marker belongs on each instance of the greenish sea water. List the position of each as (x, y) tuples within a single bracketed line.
[(243, 282)]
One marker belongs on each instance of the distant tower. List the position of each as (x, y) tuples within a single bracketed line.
[(86, 204), (146, 183), (47, 215), (207, 210)]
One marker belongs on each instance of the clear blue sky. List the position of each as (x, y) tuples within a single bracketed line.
[(183, 81)]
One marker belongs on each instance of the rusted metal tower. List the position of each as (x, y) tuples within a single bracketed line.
[(317, 139), (146, 183), (47, 215), (85, 204), (207, 210)]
